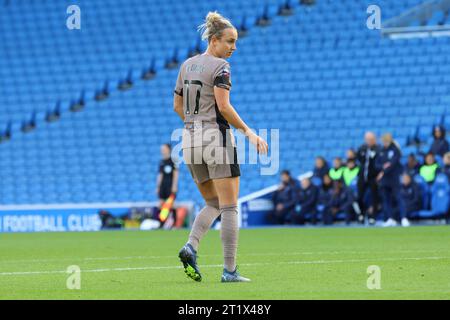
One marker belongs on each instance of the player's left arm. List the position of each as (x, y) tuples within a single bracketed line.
[(175, 181), (222, 97)]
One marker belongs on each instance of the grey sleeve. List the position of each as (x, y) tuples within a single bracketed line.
[(222, 76), (179, 85)]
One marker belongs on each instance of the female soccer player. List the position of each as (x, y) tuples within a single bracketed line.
[(202, 100)]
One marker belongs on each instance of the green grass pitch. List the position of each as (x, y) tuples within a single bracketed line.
[(283, 263)]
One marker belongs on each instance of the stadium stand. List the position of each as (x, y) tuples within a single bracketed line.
[(333, 80), (45, 63)]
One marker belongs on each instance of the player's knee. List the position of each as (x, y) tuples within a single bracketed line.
[(214, 202), (229, 210), (227, 200)]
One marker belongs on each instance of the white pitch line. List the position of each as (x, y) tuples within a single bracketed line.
[(255, 264), (215, 255)]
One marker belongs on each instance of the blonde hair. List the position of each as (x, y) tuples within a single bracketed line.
[(387, 137), (214, 26)]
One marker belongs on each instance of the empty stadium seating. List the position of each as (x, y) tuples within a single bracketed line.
[(320, 76), (44, 62)]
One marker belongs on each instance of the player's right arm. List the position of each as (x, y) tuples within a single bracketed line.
[(178, 105), (222, 97), (178, 95), (174, 188)]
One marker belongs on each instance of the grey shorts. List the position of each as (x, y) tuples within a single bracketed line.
[(206, 163)]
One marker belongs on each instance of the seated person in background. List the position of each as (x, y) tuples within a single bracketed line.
[(307, 201), (341, 202), (284, 199), (410, 193), (350, 172), (325, 195), (412, 166), (321, 167), (335, 173), (429, 169), (446, 168), (440, 144)]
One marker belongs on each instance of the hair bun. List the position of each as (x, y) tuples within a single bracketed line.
[(213, 18), (214, 25)]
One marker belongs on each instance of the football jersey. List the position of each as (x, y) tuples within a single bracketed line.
[(204, 124)]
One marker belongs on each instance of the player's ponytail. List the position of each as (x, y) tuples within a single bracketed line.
[(214, 26)]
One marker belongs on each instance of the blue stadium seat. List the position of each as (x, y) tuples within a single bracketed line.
[(437, 18), (440, 195), (424, 190)]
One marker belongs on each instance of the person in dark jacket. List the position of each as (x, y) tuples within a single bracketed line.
[(321, 167), (367, 155), (284, 199), (390, 169), (167, 179), (167, 183), (307, 201), (325, 195), (411, 195), (440, 145), (412, 165), (341, 202)]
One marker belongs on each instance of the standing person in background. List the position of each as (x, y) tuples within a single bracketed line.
[(367, 155), (335, 173), (167, 179), (429, 169), (440, 144), (412, 165), (321, 167), (284, 199), (390, 169)]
